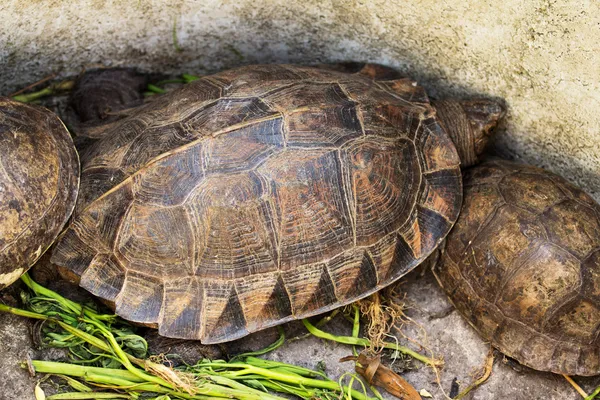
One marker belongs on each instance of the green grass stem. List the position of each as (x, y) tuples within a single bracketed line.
[(366, 343)]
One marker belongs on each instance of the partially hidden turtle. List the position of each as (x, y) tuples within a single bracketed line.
[(522, 264), (39, 180), (267, 193)]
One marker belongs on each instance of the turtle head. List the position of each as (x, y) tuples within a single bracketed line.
[(102, 97), (470, 124)]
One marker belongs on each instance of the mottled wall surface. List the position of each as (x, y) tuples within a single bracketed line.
[(542, 57)]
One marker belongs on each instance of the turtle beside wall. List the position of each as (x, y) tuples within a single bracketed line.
[(266, 193)]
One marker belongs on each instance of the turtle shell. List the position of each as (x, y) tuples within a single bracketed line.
[(39, 179), (522, 264), (260, 195)]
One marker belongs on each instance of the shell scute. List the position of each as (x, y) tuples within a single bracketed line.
[(311, 288), (223, 316), (590, 275), (245, 147), (183, 308), (169, 182), (313, 221), (227, 114), (140, 298), (104, 277), (233, 228), (256, 80), (438, 149), (384, 176), (157, 241), (406, 89), (544, 278), (573, 226), (576, 318), (323, 126), (541, 192), (264, 299), (352, 271), (308, 95)]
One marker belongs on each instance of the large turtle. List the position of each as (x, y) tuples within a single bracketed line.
[(522, 264), (39, 179), (267, 193)]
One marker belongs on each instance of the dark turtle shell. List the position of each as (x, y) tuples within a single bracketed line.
[(260, 195), (39, 179), (522, 264)]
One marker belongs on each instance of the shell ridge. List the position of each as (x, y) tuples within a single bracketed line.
[(349, 193)]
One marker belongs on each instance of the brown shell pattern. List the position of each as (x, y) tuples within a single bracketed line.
[(261, 195), (522, 264), (39, 179)]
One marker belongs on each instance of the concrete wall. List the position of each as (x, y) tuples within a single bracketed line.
[(542, 57)]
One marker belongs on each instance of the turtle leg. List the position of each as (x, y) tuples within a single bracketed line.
[(470, 124), (101, 96), (374, 71)]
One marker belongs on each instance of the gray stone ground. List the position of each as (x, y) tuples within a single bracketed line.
[(447, 336), (15, 346)]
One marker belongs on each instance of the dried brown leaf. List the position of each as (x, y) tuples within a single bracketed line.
[(379, 375)]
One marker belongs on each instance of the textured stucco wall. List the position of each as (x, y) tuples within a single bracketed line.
[(542, 57)]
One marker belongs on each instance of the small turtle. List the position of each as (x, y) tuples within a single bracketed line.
[(39, 179), (267, 193), (522, 264)]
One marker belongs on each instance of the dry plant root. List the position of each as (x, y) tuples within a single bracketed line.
[(379, 375), (481, 376), (181, 380), (382, 314), (384, 311)]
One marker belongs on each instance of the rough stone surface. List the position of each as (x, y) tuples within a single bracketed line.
[(542, 57), (16, 345)]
